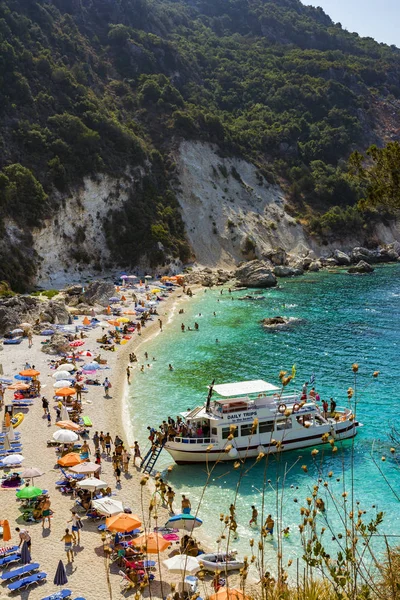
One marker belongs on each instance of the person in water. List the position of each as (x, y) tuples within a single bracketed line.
[(254, 515), (269, 525)]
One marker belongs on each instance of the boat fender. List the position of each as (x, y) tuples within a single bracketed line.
[(233, 453), (282, 408), (296, 407), (333, 431)]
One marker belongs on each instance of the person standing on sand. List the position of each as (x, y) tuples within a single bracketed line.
[(170, 498), (107, 386), (185, 505), (45, 405), (96, 440), (76, 534), (46, 512), (102, 442), (125, 460), (183, 327), (68, 539), (30, 340), (254, 515), (128, 373), (107, 441), (136, 453), (117, 474)]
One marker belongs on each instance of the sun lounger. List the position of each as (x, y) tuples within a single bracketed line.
[(59, 595), (8, 560), (7, 550), (25, 570), (26, 582)]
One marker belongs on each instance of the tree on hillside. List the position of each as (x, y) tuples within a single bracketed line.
[(379, 173)]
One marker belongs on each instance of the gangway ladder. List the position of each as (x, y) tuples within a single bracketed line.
[(150, 459)]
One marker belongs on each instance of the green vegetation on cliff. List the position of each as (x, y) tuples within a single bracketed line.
[(102, 85)]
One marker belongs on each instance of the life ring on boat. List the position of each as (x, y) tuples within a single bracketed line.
[(282, 408), (296, 407)]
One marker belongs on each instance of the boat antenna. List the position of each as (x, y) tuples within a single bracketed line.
[(210, 392)]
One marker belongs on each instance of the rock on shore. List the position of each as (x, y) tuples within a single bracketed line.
[(19, 309), (361, 267), (256, 273)]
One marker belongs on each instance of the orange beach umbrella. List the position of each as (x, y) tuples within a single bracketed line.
[(228, 594), (152, 543), (69, 460), (68, 425), (86, 321), (6, 530), (29, 373), (7, 420), (65, 391), (123, 522)]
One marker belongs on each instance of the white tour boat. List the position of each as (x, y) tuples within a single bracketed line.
[(283, 422)]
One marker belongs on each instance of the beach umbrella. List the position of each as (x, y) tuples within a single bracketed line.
[(64, 416), (229, 594), (19, 386), (60, 578), (25, 325), (92, 366), (31, 472), (25, 554), (61, 375), (148, 277), (22, 378), (156, 291), (86, 467), (68, 391), (76, 343), (12, 460), (65, 367), (123, 522), (29, 491), (92, 484), (70, 460), (17, 331), (186, 522), (11, 434), (123, 320), (129, 312), (6, 443), (29, 373), (67, 424), (87, 353), (181, 563), (153, 543), (108, 506), (65, 436), (114, 323), (7, 420), (113, 299), (6, 531), (86, 321), (62, 383)]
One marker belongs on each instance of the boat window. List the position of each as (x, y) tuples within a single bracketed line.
[(283, 424), (214, 431), (247, 429), (265, 426), (227, 430)]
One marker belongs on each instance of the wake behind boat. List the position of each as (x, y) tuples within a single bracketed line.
[(250, 417)]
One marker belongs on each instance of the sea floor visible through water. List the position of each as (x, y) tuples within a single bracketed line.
[(336, 320)]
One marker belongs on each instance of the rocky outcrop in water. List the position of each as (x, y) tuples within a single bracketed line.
[(283, 271), (256, 273), (279, 322), (361, 267), (341, 258)]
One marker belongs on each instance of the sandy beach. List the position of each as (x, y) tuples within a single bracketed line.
[(90, 575)]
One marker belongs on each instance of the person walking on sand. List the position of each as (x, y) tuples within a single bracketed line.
[(185, 505), (96, 440), (46, 512), (49, 419), (107, 386), (117, 474), (75, 520), (136, 453), (170, 498), (254, 515), (67, 538), (45, 405), (102, 442), (125, 460), (30, 340), (107, 441), (160, 323), (128, 373)]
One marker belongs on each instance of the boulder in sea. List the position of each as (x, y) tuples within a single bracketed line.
[(255, 273), (315, 266), (99, 292), (363, 254), (388, 254), (283, 271), (361, 267), (341, 257), (279, 322)]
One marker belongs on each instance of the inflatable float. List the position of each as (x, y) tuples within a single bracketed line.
[(221, 562), (17, 419)]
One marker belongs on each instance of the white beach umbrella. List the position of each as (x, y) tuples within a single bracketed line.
[(65, 436), (85, 468), (64, 416), (66, 367), (92, 484), (61, 375), (6, 443), (181, 563), (62, 383), (108, 506), (11, 434), (13, 459), (31, 472)]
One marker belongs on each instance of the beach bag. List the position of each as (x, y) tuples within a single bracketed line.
[(79, 524)]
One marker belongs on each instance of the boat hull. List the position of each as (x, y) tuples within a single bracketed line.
[(203, 453)]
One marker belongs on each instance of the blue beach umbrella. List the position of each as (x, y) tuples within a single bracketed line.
[(60, 577), (25, 554), (187, 522), (93, 366)]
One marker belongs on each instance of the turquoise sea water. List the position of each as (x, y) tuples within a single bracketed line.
[(342, 319)]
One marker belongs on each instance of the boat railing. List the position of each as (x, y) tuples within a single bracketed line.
[(195, 440)]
